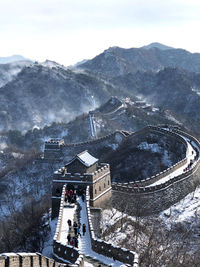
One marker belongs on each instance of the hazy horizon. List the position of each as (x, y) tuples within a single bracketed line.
[(69, 31)]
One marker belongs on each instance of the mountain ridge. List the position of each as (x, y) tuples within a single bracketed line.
[(13, 58), (116, 61)]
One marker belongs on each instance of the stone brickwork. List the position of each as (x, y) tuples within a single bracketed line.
[(53, 149), (63, 252), (99, 182), (158, 176), (60, 152), (153, 199), (107, 249), (69, 254), (141, 199), (64, 152), (28, 260)]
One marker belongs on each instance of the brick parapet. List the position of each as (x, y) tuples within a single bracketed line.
[(138, 190), (104, 169), (141, 184), (67, 254), (63, 252), (159, 197), (95, 141), (60, 216), (105, 248), (157, 177), (27, 260)]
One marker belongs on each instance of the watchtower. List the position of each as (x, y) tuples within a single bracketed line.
[(82, 170), (53, 149)]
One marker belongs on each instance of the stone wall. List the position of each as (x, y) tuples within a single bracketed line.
[(63, 252), (99, 181), (54, 152), (27, 260), (101, 185), (106, 248), (153, 199), (158, 176), (67, 151)]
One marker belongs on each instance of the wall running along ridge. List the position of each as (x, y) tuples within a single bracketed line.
[(153, 199), (55, 151), (158, 176)]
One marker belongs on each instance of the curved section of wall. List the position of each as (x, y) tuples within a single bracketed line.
[(157, 177), (156, 198), (147, 201)]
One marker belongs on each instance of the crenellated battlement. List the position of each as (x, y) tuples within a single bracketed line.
[(106, 248), (28, 260), (169, 191), (62, 251), (99, 180)]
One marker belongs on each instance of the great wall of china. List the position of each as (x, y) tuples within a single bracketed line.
[(151, 196)]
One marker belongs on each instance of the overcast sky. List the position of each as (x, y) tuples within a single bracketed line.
[(68, 31)]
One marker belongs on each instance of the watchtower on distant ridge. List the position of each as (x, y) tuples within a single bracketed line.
[(53, 149), (81, 171)]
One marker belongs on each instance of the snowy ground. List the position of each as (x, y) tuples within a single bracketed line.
[(181, 223), (185, 211), (84, 241)]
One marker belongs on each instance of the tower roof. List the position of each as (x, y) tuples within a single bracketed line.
[(85, 158)]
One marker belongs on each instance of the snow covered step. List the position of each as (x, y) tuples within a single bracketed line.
[(89, 262)]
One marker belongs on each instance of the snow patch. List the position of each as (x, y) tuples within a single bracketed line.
[(154, 148), (17, 155)]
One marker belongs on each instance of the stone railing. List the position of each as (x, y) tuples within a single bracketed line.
[(27, 260), (106, 248), (95, 141), (158, 176), (131, 188), (63, 252), (138, 190), (104, 168), (153, 199), (190, 137)]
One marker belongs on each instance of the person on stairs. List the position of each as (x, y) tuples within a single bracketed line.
[(84, 229)]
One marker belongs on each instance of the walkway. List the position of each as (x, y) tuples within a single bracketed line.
[(84, 241), (179, 171)]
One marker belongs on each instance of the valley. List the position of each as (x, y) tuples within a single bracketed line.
[(104, 105)]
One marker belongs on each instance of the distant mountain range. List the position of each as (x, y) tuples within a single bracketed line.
[(117, 61), (157, 45), (9, 70), (5, 60), (37, 94)]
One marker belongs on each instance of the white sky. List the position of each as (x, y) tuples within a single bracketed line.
[(68, 31)]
